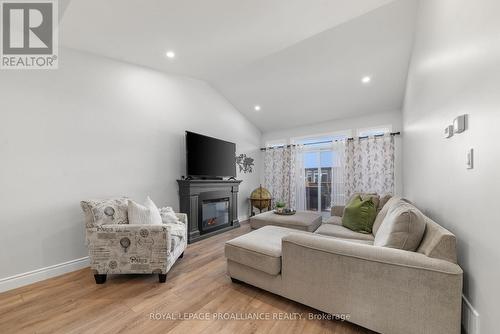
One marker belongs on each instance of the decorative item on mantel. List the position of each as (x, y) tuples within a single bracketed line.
[(261, 199), (245, 163)]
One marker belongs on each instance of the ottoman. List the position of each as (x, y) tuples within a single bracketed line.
[(302, 220)]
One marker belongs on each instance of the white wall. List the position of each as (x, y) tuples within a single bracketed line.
[(96, 128), (394, 119), (455, 70)]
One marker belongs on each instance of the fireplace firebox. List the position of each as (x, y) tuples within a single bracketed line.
[(214, 214), (211, 206)]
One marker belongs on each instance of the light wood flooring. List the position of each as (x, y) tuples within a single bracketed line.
[(197, 284)]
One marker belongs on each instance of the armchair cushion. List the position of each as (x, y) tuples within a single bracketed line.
[(143, 214), (105, 212)]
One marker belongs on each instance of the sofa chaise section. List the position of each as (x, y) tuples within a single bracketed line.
[(255, 257), (384, 289)]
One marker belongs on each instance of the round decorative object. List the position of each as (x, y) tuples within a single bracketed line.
[(144, 233), (261, 198), (109, 211), (113, 264), (285, 212), (125, 242)]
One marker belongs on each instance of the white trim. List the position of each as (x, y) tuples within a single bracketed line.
[(382, 128), (340, 133), (243, 218), (276, 142), (16, 281), (470, 317)]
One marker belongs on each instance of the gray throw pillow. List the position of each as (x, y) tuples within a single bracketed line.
[(403, 227)]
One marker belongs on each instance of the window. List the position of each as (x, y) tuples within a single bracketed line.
[(375, 131)]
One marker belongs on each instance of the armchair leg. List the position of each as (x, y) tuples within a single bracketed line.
[(181, 256), (162, 278), (100, 278)]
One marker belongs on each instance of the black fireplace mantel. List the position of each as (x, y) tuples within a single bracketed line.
[(191, 193)]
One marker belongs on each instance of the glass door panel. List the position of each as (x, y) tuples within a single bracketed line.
[(311, 179), (325, 191), (318, 179)]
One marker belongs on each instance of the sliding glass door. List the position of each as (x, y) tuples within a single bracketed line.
[(321, 166), (318, 180)]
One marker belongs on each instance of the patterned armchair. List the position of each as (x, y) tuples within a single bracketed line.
[(116, 247)]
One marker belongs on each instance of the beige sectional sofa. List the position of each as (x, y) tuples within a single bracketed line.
[(339, 271)]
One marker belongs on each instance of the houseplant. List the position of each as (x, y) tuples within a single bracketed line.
[(280, 206)]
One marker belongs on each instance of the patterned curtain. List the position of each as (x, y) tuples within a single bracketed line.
[(369, 165), (280, 174), (338, 166), (299, 178)]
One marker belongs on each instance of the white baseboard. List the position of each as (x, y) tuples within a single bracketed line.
[(16, 281), (243, 218), (470, 317)]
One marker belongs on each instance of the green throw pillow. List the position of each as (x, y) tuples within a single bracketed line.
[(359, 215)]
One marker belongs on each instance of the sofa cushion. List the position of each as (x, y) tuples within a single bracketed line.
[(336, 220), (340, 231), (383, 212), (364, 196), (403, 227), (359, 214), (259, 249), (383, 201)]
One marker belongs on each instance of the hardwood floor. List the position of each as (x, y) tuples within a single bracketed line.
[(197, 284)]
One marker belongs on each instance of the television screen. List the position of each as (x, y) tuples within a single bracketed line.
[(209, 157)]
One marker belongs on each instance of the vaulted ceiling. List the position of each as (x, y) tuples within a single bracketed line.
[(300, 60)]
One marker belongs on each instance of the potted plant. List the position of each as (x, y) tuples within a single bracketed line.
[(280, 206)]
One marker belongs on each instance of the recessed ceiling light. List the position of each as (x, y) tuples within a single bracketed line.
[(256, 108), (366, 79), (170, 54)]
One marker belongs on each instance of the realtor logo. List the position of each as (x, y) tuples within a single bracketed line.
[(29, 34)]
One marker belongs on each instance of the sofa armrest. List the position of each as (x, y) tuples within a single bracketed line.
[(387, 290), (337, 210)]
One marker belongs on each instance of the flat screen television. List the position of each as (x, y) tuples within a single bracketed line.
[(208, 157)]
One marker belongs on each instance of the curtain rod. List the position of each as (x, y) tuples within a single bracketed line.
[(329, 141)]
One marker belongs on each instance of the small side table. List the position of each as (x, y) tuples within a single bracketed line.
[(260, 202)]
